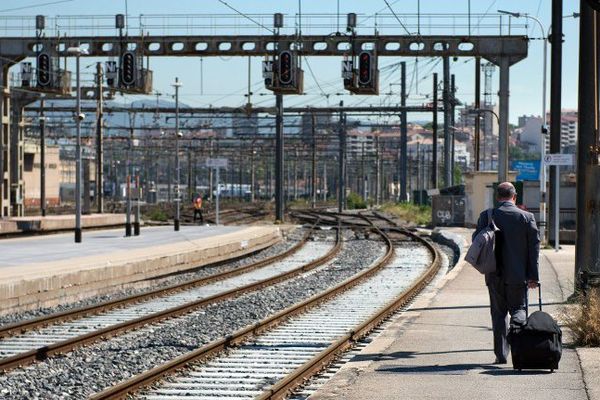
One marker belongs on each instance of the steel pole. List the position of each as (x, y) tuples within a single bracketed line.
[(503, 121), (403, 135), (341, 164), (42, 160), (218, 195), (279, 159), (555, 104), (128, 184), (313, 146), (477, 106), (78, 157), (177, 166), (543, 227), (99, 142), (587, 251), (447, 118), (434, 146), (136, 223), (452, 124)]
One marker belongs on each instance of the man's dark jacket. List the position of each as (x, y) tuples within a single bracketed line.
[(517, 243)]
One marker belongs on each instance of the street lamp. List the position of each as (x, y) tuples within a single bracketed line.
[(544, 129), (482, 110), (79, 116), (177, 85)]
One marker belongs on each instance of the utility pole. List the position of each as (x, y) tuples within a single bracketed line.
[(342, 162), (136, 222), (177, 85), (128, 173), (99, 140), (252, 174), (434, 145), (42, 159), (377, 172), (325, 188), (363, 174), (313, 174), (452, 122), (555, 114), (78, 117), (403, 134), (210, 170), (295, 173), (279, 200), (587, 251), (477, 106), (189, 175), (447, 119)]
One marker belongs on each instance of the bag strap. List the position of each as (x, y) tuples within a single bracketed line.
[(490, 214)]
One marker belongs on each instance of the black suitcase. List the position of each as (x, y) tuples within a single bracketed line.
[(538, 343)]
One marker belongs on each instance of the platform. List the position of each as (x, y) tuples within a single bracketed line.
[(442, 347), (50, 223), (43, 271)]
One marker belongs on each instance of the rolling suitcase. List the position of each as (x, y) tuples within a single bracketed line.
[(538, 343)]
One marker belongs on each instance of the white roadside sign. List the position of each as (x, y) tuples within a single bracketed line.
[(216, 162), (559, 159)]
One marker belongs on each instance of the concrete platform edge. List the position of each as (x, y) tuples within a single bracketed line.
[(68, 286)]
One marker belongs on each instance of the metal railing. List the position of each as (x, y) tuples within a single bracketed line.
[(253, 24)]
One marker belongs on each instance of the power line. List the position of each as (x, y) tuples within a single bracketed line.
[(396, 16), (246, 16), (313, 75), (36, 5)]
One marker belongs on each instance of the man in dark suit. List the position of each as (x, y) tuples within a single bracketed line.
[(517, 254)]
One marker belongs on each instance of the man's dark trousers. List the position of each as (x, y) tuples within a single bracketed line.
[(517, 257), (505, 299)]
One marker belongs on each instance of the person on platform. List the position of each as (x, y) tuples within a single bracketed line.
[(517, 250), (198, 208)]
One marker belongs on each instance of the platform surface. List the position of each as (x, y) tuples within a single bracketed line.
[(50, 223), (442, 347), (42, 249), (42, 271)]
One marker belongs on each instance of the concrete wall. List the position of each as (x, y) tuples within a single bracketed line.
[(31, 175), (479, 193)]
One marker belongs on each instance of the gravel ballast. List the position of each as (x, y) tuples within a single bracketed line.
[(292, 238), (81, 373)]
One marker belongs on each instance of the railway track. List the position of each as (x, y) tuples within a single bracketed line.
[(37, 339), (271, 358)]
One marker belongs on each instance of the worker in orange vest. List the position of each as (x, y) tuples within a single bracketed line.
[(198, 208)]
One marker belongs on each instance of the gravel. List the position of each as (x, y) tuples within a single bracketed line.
[(80, 373), (291, 239)]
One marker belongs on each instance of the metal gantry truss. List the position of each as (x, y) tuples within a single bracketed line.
[(503, 51)]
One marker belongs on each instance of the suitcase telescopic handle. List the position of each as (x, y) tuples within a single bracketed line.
[(539, 299)]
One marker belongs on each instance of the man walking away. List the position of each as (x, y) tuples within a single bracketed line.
[(517, 254), (198, 208)]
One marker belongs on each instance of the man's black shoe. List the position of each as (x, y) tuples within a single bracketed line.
[(500, 361)]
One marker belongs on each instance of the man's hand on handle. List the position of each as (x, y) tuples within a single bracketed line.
[(531, 284)]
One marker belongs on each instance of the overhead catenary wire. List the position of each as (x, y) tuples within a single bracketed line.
[(246, 16), (396, 16)]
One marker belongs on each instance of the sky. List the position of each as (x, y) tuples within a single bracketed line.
[(220, 81)]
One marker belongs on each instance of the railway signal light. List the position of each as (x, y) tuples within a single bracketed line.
[(43, 69), (365, 68), (286, 68), (128, 70)]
